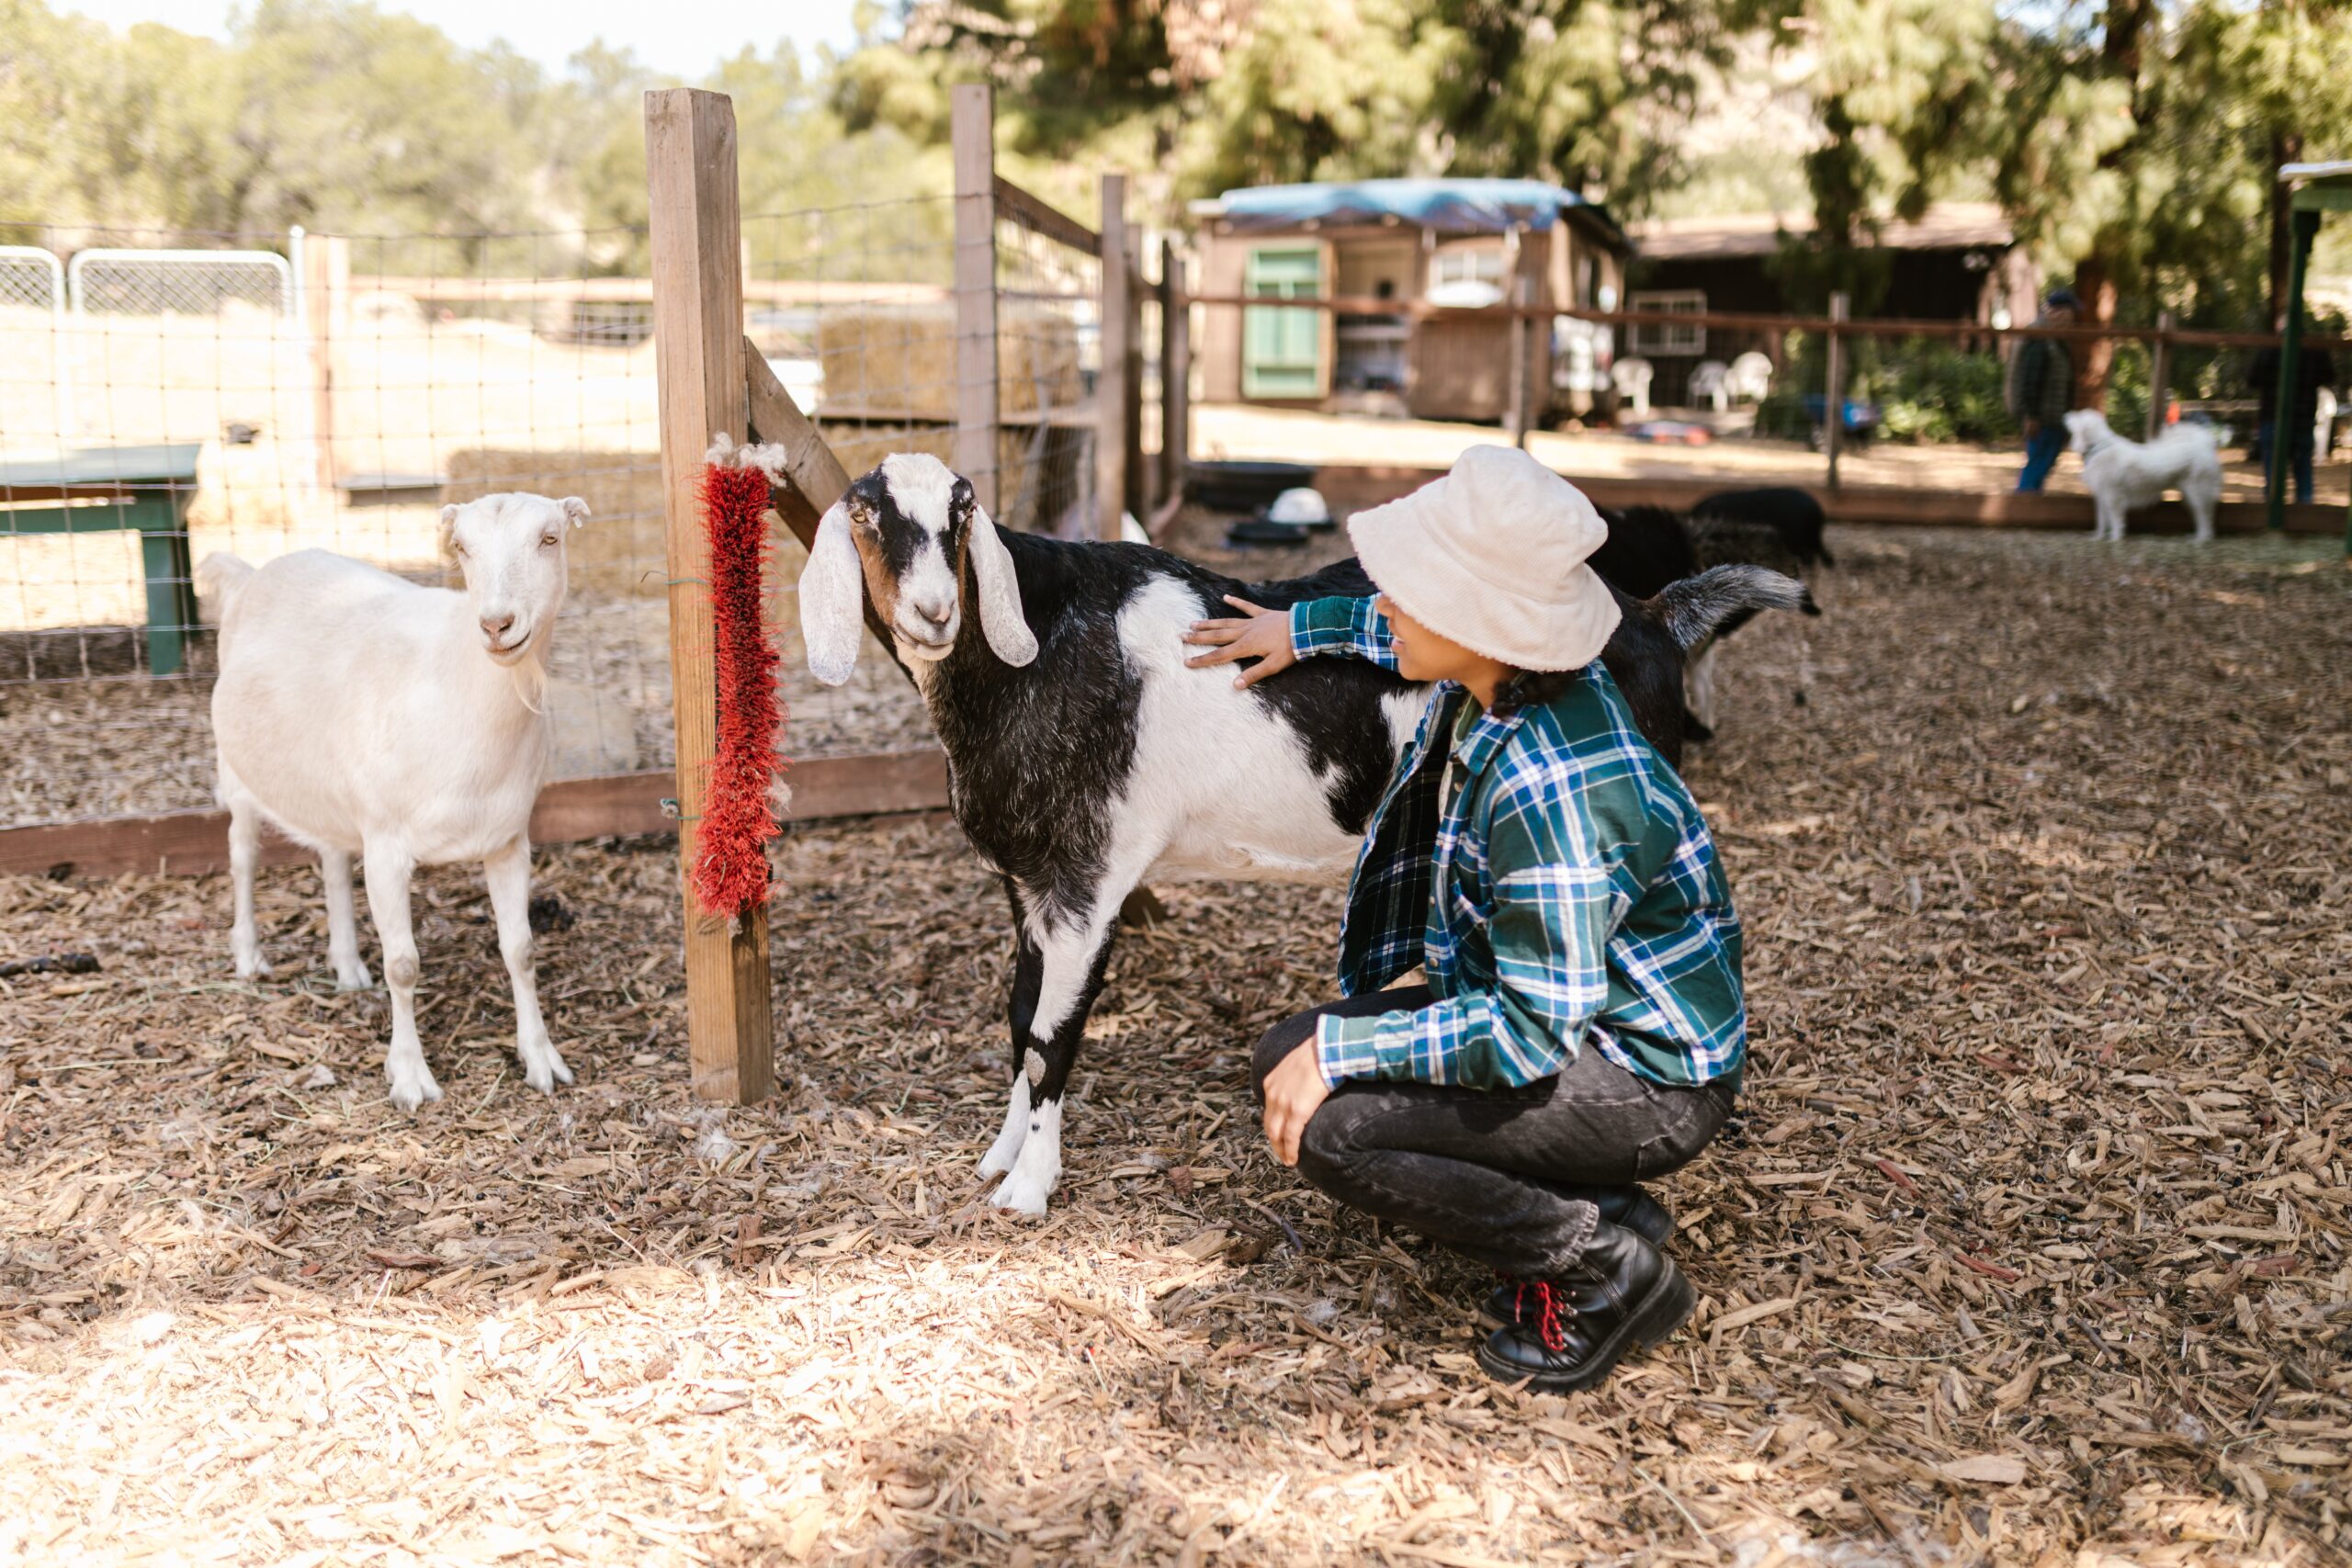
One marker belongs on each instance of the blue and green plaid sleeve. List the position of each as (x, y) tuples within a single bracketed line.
[(1555, 904), (1341, 626)]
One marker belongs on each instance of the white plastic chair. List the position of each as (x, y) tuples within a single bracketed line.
[(1632, 376), (1750, 380), (1710, 382)]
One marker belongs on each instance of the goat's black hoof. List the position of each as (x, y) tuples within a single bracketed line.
[(1800, 698), (1694, 730)]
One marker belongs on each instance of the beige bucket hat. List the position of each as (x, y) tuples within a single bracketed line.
[(1493, 556)]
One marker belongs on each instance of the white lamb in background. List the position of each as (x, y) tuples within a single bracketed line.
[(359, 714), (2124, 475)]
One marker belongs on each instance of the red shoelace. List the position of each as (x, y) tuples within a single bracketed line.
[(1553, 1308)]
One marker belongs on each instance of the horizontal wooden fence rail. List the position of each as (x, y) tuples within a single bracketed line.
[(1041, 217), (1354, 486), (195, 843), (1751, 321)]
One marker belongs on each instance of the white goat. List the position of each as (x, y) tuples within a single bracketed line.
[(360, 713), (2124, 475)]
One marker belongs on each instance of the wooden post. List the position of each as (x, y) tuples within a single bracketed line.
[(1175, 375), (1834, 386), (1111, 386), (699, 363), (1523, 292), (326, 292), (973, 117), (2159, 374)]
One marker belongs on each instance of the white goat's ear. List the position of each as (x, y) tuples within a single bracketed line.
[(1001, 617), (575, 511), (449, 522), (833, 599)]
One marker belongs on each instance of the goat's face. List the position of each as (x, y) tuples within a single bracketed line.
[(901, 535), (510, 548), (2087, 426)]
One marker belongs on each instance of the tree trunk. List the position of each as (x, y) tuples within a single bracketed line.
[(2285, 147), (2124, 24), (2093, 360)]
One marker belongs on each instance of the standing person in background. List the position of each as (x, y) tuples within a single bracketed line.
[(2041, 388), (2314, 369)]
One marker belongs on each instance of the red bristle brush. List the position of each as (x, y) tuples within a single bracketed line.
[(730, 876)]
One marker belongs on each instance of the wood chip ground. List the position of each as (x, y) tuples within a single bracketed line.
[(2029, 1246)]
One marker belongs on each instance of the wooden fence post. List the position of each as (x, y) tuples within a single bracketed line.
[(700, 365), (326, 292), (1834, 386), (1523, 292), (2159, 374), (1112, 386), (973, 117), (1175, 375)]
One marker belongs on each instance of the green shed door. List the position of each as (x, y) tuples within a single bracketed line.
[(1282, 351)]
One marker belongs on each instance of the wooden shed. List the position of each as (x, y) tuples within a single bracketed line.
[(1446, 243), (1958, 261)]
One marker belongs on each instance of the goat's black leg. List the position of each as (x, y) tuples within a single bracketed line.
[(1074, 948), (1028, 971)]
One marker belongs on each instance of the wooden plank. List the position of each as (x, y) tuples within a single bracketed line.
[(1354, 486), (1111, 386), (1175, 375), (695, 234), (1515, 419), (973, 115), (1039, 216), (327, 291), (195, 843)]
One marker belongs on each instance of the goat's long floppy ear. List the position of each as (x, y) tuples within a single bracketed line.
[(833, 599), (1001, 617)]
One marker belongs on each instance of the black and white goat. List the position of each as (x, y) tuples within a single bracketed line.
[(1084, 756)]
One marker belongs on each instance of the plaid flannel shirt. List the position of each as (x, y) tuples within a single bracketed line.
[(1581, 897)]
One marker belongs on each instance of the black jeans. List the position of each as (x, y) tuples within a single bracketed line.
[(1501, 1176)]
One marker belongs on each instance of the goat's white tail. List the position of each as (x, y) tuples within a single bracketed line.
[(219, 577), (1698, 608)]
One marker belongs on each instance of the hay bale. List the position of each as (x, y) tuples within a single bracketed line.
[(899, 359), (255, 492)]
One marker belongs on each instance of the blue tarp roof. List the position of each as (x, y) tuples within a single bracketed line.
[(1462, 206)]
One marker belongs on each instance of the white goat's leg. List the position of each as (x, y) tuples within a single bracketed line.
[(343, 923), (387, 872), (508, 872), (244, 853), (1074, 950)]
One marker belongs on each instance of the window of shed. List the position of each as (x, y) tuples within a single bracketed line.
[(1656, 338)]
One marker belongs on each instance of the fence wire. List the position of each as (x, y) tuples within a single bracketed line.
[(163, 396)]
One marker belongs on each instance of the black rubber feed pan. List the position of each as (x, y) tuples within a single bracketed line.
[(1242, 487)]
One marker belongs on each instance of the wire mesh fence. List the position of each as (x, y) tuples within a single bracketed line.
[(261, 394)]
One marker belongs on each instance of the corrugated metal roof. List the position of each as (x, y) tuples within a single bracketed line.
[(1947, 225), (1455, 205)]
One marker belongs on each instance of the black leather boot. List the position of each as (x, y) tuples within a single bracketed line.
[(1622, 1295), (1628, 1206)]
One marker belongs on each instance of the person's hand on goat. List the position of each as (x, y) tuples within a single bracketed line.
[(1294, 1091), (1260, 634)]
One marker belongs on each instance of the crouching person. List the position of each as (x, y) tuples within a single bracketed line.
[(1581, 1028)]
